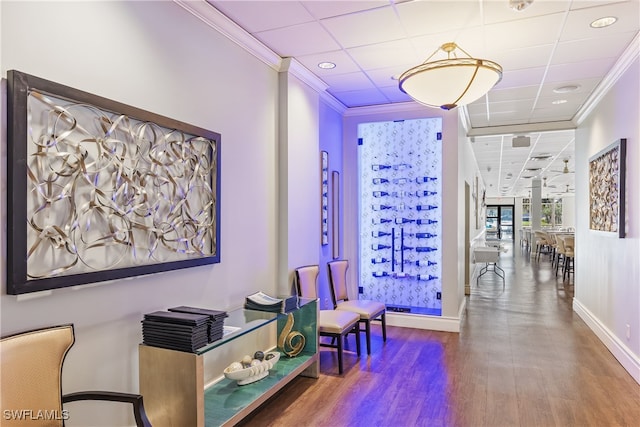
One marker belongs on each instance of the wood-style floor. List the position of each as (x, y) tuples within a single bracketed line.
[(522, 358)]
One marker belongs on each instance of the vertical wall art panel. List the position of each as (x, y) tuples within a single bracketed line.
[(607, 189), (400, 170), (324, 194), (99, 190)]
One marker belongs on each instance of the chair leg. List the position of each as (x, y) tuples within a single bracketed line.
[(384, 327), (339, 347), (367, 328), (357, 327)]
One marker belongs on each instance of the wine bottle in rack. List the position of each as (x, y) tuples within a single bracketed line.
[(404, 220), (377, 221), (402, 166), (402, 193), (378, 247), (401, 275), (426, 193), (380, 180), (401, 207), (381, 207), (405, 248), (380, 233), (400, 180), (426, 277), (425, 249), (425, 235), (426, 221), (380, 193), (426, 207), (422, 179), (425, 264), (379, 260), (380, 167), (380, 274)]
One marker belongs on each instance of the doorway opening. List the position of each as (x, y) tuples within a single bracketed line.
[(499, 222)]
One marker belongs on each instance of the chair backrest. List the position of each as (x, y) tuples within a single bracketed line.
[(31, 376), (560, 245), (307, 281), (569, 243), (338, 280)]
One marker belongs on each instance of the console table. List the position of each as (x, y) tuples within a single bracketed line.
[(189, 389)]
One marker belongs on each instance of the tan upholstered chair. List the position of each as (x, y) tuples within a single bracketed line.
[(542, 242), (331, 323), (367, 310), (567, 268), (31, 387)]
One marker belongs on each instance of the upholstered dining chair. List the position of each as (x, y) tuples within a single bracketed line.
[(368, 310), (542, 242), (334, 324), (567, 268), (31, 387)]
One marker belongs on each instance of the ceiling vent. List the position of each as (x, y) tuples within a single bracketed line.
[(520, 141)]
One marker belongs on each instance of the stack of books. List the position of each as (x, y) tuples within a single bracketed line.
[(216, 319), (176, 331), (263, 302)]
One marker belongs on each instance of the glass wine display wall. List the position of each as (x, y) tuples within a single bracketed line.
[(400, 165)]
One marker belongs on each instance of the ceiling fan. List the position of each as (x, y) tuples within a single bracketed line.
[(565, 169), (566, 191)]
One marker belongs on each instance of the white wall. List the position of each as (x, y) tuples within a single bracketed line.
[(152, 61), (452, 279), (299, 197), (607, 269)]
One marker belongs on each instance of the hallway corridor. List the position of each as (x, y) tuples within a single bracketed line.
[(522, 358)]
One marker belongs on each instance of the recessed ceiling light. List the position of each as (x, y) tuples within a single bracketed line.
[(566, 88), (326, 65), (559, 101), (603, 22), (533, 169)]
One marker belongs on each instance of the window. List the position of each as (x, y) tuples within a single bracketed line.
[(551, 214)]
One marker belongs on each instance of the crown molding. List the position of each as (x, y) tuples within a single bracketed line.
[(384, 108), (290, 65), (631, 53), (219, 22), (523, 128)]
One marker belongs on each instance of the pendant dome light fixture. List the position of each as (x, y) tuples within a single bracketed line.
[(451, 82)]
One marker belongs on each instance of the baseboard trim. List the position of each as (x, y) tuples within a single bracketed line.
[(620, 351), (421, 321)]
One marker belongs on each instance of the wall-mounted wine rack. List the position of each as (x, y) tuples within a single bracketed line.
[(400, 213)]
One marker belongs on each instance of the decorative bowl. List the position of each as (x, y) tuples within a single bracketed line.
[(253, 373)]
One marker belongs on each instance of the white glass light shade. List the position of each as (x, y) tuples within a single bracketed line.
[(450, 83)]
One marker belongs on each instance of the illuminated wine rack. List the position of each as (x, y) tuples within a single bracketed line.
[(400, 186)]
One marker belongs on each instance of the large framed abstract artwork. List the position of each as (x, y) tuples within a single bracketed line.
[(607, 171), (99, 190)]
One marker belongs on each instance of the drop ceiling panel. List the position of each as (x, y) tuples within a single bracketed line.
[(301, 39), (344, 63), (255, 16), (519, 33), (577, 25), (443, 16), (380, 55), (499, 11), (364, 28), (327, 9), (350, 81)]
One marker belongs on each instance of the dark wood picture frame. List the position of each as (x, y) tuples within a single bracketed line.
[(105, 115), (607, 176)]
